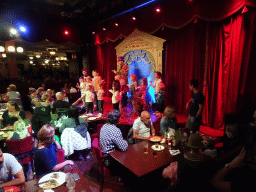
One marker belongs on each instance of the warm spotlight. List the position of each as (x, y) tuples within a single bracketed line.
[(13, 31), (116, 24), (158, 10), (134, 18)]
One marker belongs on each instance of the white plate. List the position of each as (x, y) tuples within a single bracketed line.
[(60, 180), (160, 147), (92, 118)]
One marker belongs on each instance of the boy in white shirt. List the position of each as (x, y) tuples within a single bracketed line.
[(88, 98)]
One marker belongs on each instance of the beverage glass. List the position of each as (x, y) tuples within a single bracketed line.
[(154, 153), (145, 148), (71, 183)]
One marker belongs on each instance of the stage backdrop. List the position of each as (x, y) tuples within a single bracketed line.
[(215, 46)]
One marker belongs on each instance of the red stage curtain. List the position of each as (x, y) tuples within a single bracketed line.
[(184, 60), (103, 59), (227, 82), (219, 54)]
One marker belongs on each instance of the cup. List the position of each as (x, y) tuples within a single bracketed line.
[(145, 148), (71, 183), (154, 153)]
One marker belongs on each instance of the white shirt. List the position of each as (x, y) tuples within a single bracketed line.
[(88, 96), (13, 95), (10, 168), (143, 130), (83, 87), (157, 83), (100, 94), (71, 140), (116, 97)]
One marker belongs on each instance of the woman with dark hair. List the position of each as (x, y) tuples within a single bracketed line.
[(75, 138), (73, 119), (12, 114)]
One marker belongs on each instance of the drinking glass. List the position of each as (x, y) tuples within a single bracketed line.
[(71, 183), (145, 148)]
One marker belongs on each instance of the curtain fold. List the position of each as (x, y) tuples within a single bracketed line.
[(229, 49), (220, 55)]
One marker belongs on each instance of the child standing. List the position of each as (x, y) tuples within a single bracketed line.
[(116, 97), (143, 89), (88, 98), (100, 95), (133, 88)]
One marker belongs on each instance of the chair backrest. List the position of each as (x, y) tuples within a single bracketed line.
[(22, 149), (61, 111), (20, 146), (95, 145)]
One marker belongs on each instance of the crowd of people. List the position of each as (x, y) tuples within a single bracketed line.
[(88, 97)]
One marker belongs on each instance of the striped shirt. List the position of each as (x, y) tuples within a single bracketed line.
[(111, 138)]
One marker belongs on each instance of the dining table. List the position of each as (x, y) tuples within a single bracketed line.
[(141, 159), (141, 167), (81, 184)]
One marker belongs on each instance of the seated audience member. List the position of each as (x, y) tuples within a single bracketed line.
[(49, 92), (66, 88), (236, 175), (110, 135), (11, 172), (140, 103), (231, 138), (193, 171), (45, 155), (13, 95), (60, 103), (72, 88), (75, 138), (27, 103), (20, 131), (40, 92), (143, 127), (12, 114), (73, 119), (169, 121), (41, 115), (45, 100)]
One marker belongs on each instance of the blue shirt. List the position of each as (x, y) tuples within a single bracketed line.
[(167, 123), (45, 160), (111, 138)]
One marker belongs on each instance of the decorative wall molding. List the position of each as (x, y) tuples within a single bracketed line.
[(139, 40)]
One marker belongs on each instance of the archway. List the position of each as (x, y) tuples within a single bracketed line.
[(142, 53)]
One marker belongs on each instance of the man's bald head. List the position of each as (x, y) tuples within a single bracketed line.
[(145, 117)]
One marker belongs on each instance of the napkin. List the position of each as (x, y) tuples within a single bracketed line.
[(174, 152)]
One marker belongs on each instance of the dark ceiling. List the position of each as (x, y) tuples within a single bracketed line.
[(47, 19)]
